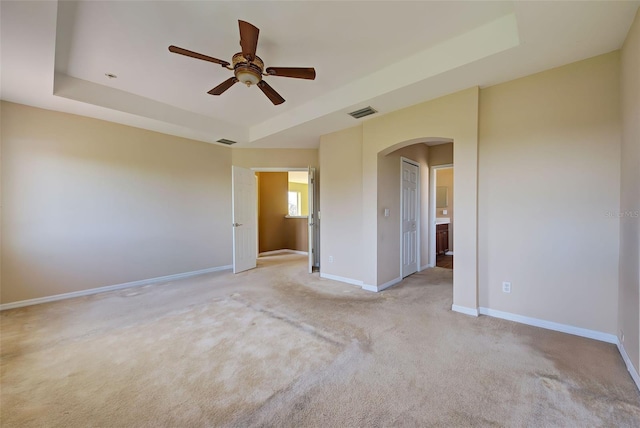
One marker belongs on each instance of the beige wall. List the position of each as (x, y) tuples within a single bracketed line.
[(551, 140), (88, 203), (341, 203), (275, 158), (444, 178), (441, 154), (297, 234), (454, 117), (629, 269), (389, 174)]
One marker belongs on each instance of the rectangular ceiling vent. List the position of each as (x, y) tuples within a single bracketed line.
[(225, 141), (362, 112)]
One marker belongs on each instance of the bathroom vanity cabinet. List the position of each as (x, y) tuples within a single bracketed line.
[(442, 238)]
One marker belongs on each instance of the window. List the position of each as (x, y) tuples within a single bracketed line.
[(298, 194), (295, 204)]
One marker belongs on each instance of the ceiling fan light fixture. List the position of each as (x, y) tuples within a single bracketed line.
[(248, 77), (247, 72)]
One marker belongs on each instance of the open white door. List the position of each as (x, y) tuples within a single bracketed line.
[(243, 185), (409, 212), (312, 219)]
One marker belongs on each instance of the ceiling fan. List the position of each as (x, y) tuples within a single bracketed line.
[(247, 67)]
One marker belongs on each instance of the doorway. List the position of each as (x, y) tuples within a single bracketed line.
[(285, 207), (442, 251)]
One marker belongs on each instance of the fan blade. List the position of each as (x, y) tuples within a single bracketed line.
[(223, 86), (197, 55), (297, 72), (248, 39), (270, 93)]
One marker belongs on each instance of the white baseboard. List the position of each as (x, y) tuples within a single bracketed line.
[(97, 290), (389, 283), (632, 370), (284, 251), (449, 253), (426, 267), (341, 279), (464, 310), (550, 325), (377, 288)]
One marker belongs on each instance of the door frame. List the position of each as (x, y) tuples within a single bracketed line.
[(316, 254), (313, 224), (418, 214), (432, 211)]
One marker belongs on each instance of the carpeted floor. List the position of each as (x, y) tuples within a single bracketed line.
[(278, 347)]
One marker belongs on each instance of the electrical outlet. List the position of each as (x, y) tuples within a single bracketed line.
[(330, 259), (506, 287)]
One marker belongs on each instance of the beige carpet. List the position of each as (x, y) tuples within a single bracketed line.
[(278, 347)]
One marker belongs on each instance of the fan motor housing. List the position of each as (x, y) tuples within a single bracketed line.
[(247, 72)]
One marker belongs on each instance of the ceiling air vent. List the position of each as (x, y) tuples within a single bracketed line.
[(225, 141), (362, 112)]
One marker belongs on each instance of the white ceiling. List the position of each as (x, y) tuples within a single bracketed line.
[(385, 54)]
